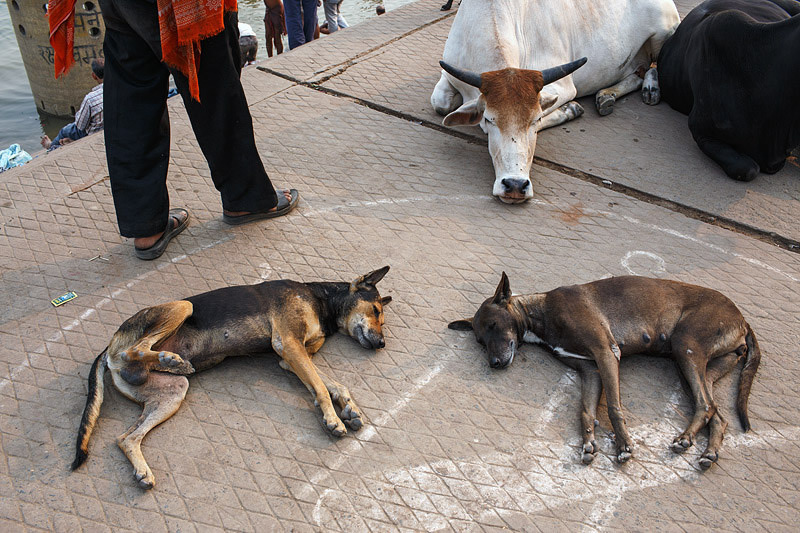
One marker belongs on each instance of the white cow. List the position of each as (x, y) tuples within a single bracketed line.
[(510, 63)]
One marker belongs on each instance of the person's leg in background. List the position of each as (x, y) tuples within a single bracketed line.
[(339, 17), (70, 132), (309, 19), (294, 23)]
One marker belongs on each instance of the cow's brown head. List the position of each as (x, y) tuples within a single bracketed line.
[(509, 107)]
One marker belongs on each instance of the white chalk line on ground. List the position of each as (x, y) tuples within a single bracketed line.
[(91, 311), (604, 507), (557, 205), (659, 466), (662, 467), (365, 435), (660, 263)]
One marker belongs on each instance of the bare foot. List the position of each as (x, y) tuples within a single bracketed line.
[(285, 192), (46, 142)]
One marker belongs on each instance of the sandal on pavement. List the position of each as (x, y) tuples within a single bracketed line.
[(177, 222), (283, 207)]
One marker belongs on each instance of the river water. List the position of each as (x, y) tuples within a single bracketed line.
[(21, 123)]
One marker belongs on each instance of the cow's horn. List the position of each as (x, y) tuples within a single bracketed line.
[(556, 73), (466, 76)]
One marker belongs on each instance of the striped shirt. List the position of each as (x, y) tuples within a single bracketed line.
[(89, 117)]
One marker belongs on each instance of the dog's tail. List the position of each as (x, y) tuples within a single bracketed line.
[(746, 379), (92, 411)]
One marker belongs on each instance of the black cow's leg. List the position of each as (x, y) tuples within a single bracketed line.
[(736, 165)]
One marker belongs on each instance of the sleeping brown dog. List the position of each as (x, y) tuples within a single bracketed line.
[(591, 326), (152, 351)]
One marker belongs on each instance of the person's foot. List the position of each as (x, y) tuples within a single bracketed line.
[(287, 193), (287, 200), (46, 142), (152, 247)]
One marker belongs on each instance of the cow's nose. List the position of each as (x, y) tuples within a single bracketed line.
[(515, 185)]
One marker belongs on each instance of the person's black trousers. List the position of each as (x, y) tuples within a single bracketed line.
[(136, 127)]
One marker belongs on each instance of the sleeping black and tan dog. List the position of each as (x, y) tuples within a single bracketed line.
[(590, 327), (152, 351)]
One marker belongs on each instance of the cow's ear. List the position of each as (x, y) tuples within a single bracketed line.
[(468, 114), (547, 100), (461, 325)]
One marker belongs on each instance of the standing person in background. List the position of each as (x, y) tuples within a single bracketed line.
[(301, 21), (333, 16), (141, 49), (275, 25), (89, 117)]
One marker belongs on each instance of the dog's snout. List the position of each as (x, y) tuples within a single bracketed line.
[(381, 343), (494, 362)]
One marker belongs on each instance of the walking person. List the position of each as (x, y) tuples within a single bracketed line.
[(301, 21), (141, 49)]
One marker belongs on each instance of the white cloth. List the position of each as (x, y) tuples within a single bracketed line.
[(246, 30)]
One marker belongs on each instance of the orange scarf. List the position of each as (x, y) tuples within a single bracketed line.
[(183, 24)]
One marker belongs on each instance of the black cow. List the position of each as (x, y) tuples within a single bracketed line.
[(733, 66)]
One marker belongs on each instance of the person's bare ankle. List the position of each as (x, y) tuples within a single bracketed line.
[(147, 242)]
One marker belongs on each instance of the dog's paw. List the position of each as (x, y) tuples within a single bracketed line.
[(145, 479), (351, 416), (174, 363), (335, 426), (708, 459), (624, 454), (681, 444), (590, 450)]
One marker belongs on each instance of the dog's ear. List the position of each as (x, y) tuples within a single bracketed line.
[(503, 291), (370, 279), (385, 300), (461, 325)]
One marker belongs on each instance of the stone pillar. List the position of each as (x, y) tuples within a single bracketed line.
[(62, 96)]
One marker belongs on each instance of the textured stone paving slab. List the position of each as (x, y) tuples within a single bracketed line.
[(646, 148), (449, 443)]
